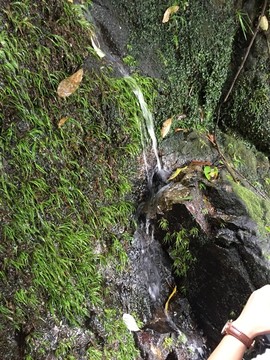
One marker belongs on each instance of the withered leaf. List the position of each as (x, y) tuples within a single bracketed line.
[(69, 85), (177, 172), (130, 322), (62, 121), (170, 11), (263, 23), (166, 127)]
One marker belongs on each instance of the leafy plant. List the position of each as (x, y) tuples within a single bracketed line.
[(244, 22), (211, 173)]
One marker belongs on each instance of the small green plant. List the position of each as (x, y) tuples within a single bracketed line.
[(168, 342), (244, 22), (129, 60), (163, 224), (178, 243), (210, 172)]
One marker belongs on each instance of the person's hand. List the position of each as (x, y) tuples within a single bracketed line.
[(254, 320)]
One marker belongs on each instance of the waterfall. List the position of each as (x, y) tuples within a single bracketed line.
[(149, 123), (147, 126)]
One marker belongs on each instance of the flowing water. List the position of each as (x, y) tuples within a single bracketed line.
[(146, 126)]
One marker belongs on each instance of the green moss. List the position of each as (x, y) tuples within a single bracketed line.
[(257, 207), (248, 107), (195, 48), (65, 191)]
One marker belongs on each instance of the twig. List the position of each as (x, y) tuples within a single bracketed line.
[(247, 52), (230, 169)]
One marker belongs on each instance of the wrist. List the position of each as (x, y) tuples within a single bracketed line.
[(232, 328), (245, 327)]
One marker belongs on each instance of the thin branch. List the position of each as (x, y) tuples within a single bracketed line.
[(247, 52)]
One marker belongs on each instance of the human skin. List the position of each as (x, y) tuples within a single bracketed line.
[(254, 320)]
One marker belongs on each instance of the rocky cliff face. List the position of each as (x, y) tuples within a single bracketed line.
[(216, 245)]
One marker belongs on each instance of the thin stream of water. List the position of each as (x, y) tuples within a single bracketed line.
[(147, 115)]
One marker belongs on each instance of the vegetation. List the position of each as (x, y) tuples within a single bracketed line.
[(257, 207), (194, 68), (68, 164), (65, 190), (178, 244)]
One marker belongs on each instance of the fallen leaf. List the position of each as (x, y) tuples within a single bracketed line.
[(96, 47), (69, 85), (169, 298), (130, 322), (62, 121), (264, 23), (166, 127), (211, 173), (181, 116), (181, 129), (176, 172), (170, 11)]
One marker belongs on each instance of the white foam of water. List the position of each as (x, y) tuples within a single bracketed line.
[(148, 117)]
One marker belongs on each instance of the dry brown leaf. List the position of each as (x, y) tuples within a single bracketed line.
[(170, 11), (69, 85), (166, 127), (62, 121), (181, 129)]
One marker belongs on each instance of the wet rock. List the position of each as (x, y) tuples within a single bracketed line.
[(227, 245)]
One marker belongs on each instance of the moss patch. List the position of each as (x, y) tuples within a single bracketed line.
[(65, 191), (257, 207), (193, 52)]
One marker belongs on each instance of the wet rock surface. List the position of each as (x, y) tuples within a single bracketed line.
[(228, 249)]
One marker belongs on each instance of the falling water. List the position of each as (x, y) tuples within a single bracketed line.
[(148, 123), (148, 117)]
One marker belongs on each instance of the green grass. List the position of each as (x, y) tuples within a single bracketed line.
[(65, 193)]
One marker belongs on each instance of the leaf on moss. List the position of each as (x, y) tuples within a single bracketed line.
[(62, 121), (170, 11), (211, 173), (130, 322), (69, 85), (264, 23), (166, 127), (177, 172)]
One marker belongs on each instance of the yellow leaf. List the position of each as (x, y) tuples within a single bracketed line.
[(169, 298), (62, 121), (170, 11), (166, 127), (264, 23), (69, 85), (177, 172)]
